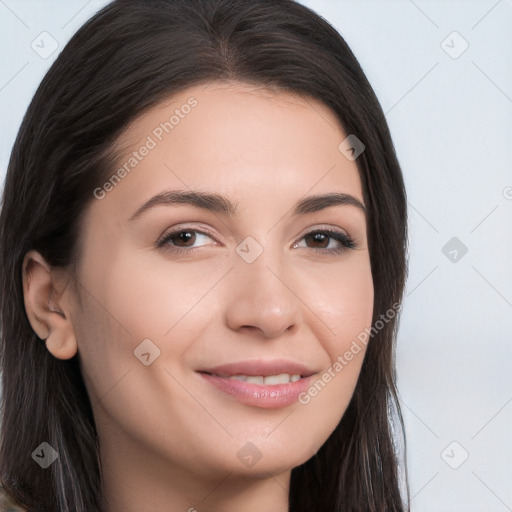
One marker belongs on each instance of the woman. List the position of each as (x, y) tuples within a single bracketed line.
[(203, 255)]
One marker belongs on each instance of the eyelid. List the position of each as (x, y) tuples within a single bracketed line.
[(323, 227)]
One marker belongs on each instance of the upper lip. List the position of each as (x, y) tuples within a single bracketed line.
[(260, 367)]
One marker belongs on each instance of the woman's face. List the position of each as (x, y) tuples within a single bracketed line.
[(167, 318)]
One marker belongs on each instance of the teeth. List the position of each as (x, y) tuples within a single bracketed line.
[(283, 378), (255, 380)]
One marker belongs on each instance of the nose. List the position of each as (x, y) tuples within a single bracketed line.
[(261, 297)]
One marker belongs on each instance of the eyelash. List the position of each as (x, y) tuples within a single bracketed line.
[(345, 240)]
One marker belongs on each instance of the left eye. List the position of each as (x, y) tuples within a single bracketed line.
[(341, 240)]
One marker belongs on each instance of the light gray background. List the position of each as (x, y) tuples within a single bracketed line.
[(451, 120)]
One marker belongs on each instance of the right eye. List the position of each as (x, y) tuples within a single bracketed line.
[(182, 240)]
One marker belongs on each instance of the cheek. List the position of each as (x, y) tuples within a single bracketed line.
[(354, 318), (343, 307), (344, 301), (355, 307), (151, 297), (346, 308), (102, 347)]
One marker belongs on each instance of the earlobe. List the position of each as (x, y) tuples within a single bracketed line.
[(45, 306), (61, 344)]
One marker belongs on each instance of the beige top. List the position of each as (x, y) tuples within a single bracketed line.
[(7, 505)]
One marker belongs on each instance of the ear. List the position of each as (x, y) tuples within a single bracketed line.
[(46, 304)]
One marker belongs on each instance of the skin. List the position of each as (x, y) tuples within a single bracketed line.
[(167, 437)]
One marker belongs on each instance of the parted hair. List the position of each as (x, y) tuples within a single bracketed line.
[(127, 58)]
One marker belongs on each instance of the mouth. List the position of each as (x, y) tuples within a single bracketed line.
[(272, 369), (264, 384), (262, 380)]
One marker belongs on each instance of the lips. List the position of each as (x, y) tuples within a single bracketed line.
[(269, 380), (265, 384), (260, 369)]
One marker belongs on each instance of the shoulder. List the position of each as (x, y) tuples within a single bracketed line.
[(7, 504)]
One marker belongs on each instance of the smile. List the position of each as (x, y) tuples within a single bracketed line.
[(269, 380)]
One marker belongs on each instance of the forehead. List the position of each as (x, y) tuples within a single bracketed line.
[(242, 140)]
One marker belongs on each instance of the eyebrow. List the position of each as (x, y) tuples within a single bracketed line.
[(219, 203)]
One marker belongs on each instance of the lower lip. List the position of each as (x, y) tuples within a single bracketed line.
[(267, 396)]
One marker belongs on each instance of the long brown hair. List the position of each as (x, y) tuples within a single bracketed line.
[(128, 57)]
